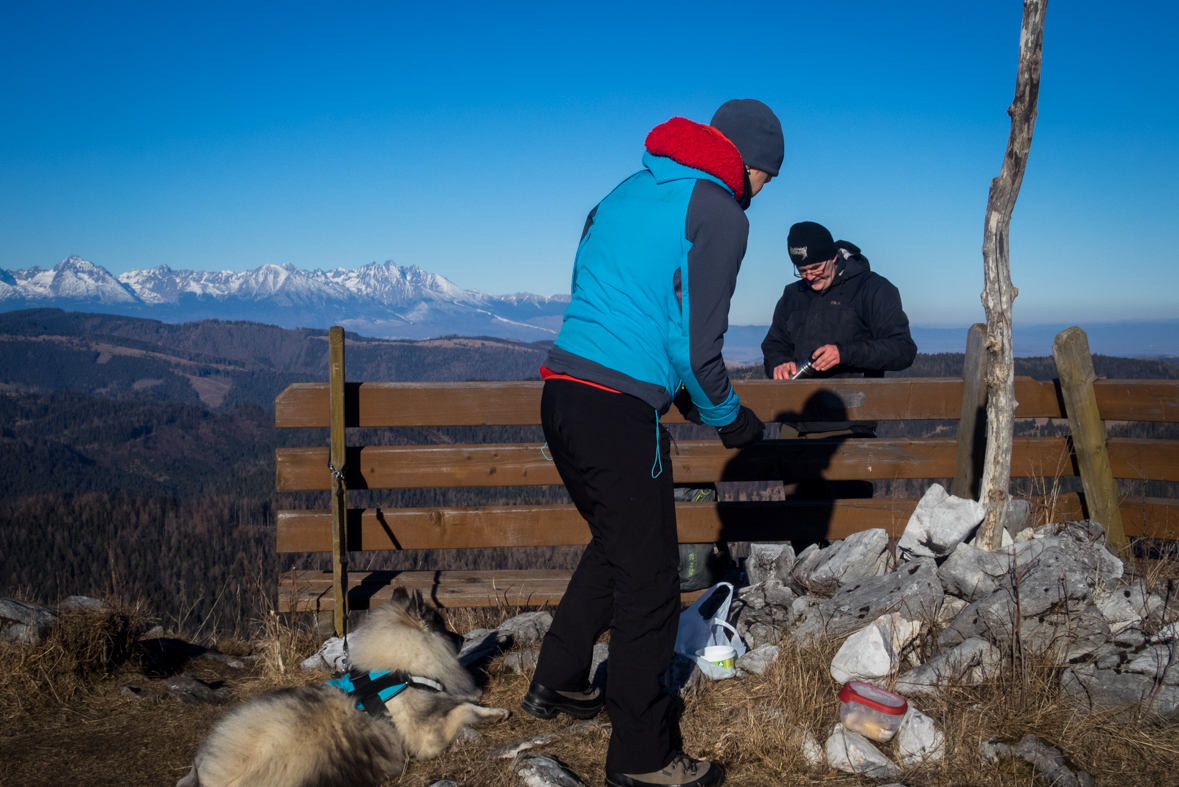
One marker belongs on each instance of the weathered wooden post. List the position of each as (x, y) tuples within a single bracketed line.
[(998, 293), (973, 420), (1074, 364), (336, 466)]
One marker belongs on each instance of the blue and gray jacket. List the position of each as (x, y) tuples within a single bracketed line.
[(654, 273)]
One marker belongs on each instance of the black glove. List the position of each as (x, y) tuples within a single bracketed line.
[(745, 430), (683, 403)]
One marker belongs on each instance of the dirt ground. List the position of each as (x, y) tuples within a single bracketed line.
[(104, 739), (753, 726)]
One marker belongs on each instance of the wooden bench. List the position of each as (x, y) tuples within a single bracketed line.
[(339, 530)]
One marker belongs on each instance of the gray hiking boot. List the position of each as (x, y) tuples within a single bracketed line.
[(682, 771)]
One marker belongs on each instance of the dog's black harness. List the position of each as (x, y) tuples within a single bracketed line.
[(373, 689)]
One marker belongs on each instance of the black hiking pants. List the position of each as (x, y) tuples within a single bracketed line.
[(604, 447)]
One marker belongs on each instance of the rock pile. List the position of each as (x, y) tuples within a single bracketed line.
[(22, 621), (942, 612)]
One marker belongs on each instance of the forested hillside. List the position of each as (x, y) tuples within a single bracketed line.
[(223, 364), (139, 456)]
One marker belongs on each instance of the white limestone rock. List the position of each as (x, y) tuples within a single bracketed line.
[(1066, 637), (951, 607), (1019, 517), (940, 523), (479, 644), (851, 752), (1047, 762), (21, 621), (527, 628), (812, 752), (972, 573), (801, 606), (599, 665), (970, 662), (755, 662), (1157, 662), (1168, 633), (874, 653), (1086, 541), (1116, 609), (860, 556), (537, 770), (767, 561), (919, 740), (521, 662), (1057, 581), (806, 562), (913, 589), (1027, 534), (1126, 695), (509, 750), (82, 604)]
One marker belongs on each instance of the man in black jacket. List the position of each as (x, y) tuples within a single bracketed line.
[(842, 317)]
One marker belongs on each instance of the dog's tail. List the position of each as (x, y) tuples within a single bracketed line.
[(193, 779)]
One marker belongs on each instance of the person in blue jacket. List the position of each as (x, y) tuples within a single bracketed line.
[(652, 279)]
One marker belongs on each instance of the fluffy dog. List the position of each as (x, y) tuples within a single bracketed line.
[(315, 735)]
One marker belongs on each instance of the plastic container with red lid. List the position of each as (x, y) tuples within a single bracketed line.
[(871, 711)]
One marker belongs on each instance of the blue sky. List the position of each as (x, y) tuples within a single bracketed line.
[(472, 139)]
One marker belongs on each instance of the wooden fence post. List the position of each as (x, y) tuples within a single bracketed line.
[(337, 460), (1074, 364), (972, 423)]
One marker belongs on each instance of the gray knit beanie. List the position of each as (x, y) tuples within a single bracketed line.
[(755, 130)]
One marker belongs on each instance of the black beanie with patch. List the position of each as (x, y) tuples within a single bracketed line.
[(809, 243), (755, 130)]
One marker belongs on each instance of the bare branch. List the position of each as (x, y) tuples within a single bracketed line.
[(998, 293)]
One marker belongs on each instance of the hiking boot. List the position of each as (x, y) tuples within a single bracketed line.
[(682, 771), (547, 703)]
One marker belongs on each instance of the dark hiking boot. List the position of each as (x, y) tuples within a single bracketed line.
[(682, 771), (547, 703)]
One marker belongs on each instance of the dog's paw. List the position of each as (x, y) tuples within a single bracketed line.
[(495, 715)]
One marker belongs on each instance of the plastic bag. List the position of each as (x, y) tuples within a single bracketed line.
[(706, 623)]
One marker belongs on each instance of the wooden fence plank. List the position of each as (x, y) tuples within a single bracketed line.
[(1144, 459), (336, 459), (308, 591), (972, 422), (1074, 363), (1138, 400), (561, 525), (518, 403), (1145, 517), (397, 467), (392, 467)]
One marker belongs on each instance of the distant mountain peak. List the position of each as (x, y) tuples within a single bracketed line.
[(382, 298)]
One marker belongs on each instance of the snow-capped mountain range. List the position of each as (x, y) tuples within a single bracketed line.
[(380, 299)]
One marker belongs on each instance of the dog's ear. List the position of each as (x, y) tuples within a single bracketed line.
[(401, 597)]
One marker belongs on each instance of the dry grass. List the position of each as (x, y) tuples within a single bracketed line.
[(754, 726), (85, 647)]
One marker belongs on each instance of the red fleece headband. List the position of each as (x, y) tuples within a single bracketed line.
[(700, 147)]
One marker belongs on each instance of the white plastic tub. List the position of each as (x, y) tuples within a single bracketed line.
[(871, 711)]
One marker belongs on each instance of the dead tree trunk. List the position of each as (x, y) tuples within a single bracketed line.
[(998, 294)]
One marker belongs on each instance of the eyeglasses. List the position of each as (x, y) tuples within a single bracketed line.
[(810, 270)]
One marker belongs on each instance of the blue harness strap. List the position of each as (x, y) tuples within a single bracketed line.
[(371, 689)]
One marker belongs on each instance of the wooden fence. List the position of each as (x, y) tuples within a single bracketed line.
[(1085, 401)]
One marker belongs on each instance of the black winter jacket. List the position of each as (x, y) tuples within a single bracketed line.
[(860, 313)]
